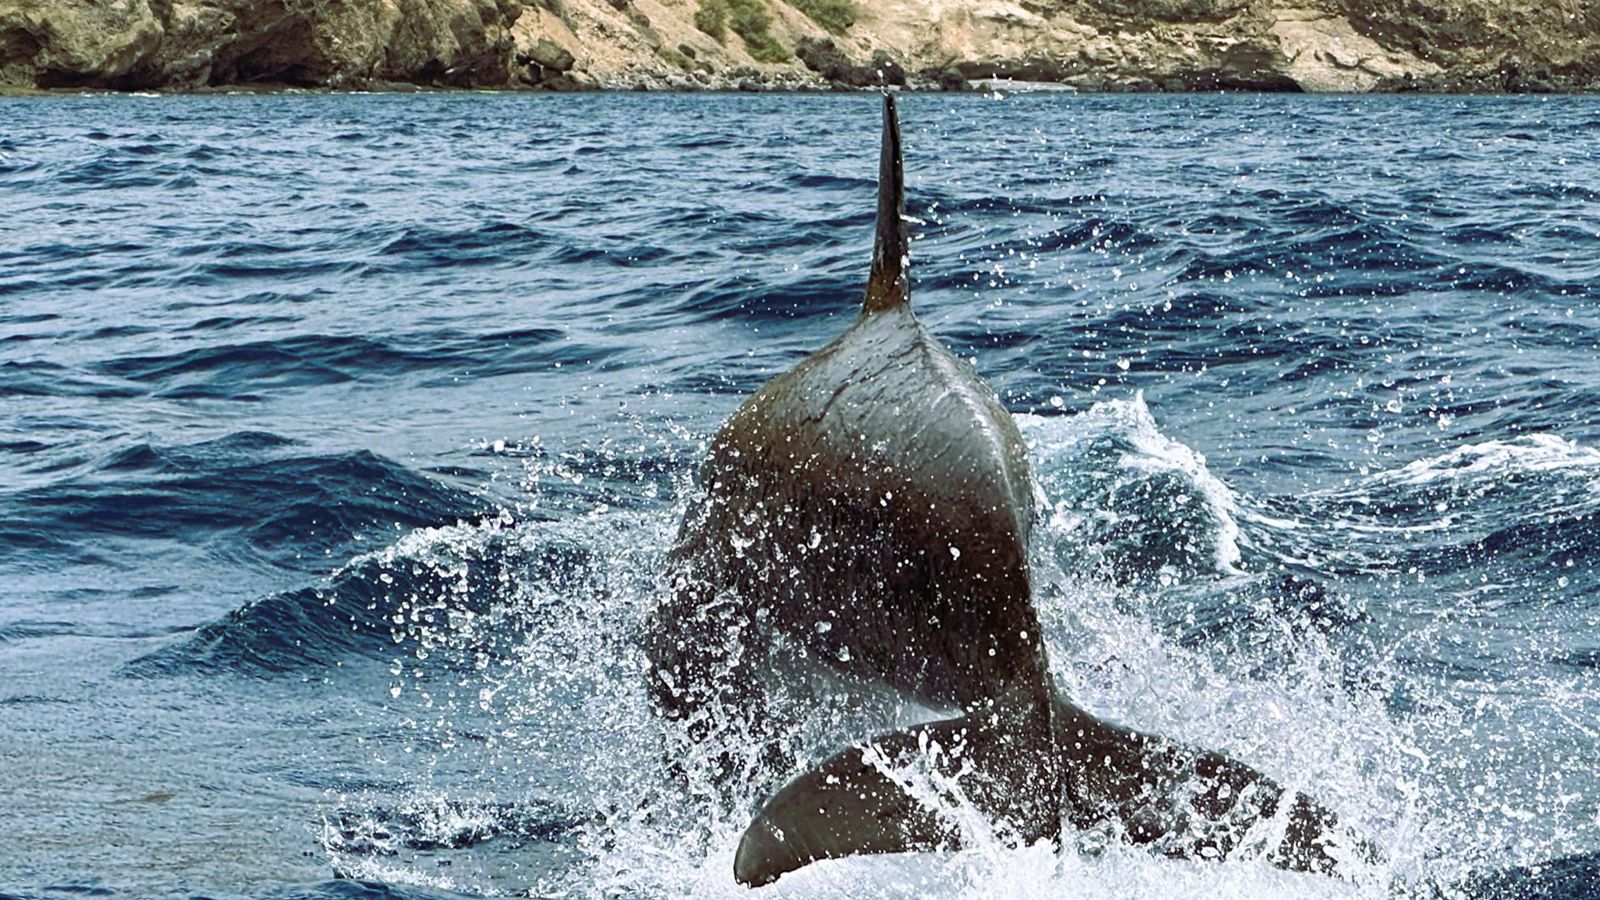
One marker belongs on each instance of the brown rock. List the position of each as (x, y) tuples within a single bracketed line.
[(887, 69), (551, 55), (191, 44), (823, 56), (951, 79), (1122, 45), (71, 43)]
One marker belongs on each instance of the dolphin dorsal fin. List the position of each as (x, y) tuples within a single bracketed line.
[(888, 287)]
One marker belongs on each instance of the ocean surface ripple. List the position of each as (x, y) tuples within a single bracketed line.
[(342, 437)]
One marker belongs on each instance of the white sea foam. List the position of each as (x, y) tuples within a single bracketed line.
[(558, 707), (1083, 462), (1529, 453)]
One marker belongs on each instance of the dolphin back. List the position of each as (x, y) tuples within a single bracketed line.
[(871, 508)]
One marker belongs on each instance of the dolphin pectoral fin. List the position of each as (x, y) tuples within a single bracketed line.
[(842, 808), (851, 805)]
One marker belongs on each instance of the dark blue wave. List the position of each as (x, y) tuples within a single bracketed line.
[(1568, 878), (299, 361), (363, 608), (423, 247), (242, 486)]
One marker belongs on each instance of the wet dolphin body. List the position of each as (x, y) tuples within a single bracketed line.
[(872, 507)]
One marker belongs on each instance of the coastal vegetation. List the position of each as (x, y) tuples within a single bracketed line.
[(749, 19), (834, 15)]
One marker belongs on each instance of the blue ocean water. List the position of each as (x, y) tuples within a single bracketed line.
[(342, 437)]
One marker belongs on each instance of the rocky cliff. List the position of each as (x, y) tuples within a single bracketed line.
[(1117, 45)]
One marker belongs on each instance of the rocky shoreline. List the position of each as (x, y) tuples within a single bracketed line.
[(800, 45)]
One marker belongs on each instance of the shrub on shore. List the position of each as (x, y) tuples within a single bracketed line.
[(833, 15), (712, 18), (749, 19)]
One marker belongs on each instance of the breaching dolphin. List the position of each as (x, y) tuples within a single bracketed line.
[(871, 507)]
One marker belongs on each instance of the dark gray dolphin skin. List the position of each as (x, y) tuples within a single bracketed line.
[(872, 507)]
